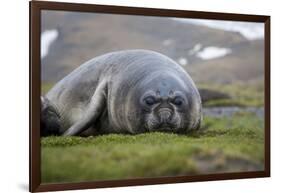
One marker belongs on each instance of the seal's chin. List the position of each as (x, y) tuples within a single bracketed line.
[(165, 129)]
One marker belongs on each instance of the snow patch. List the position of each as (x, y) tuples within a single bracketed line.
[(167, 42), (183, 61), (213, 52), (195, 49), (47, 38), (250, 30)]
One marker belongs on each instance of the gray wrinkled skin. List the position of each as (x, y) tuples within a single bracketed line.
[(130, 91)]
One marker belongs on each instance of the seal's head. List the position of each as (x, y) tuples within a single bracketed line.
[(167, 104)]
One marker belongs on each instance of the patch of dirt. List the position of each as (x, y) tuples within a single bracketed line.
[(216, 162)]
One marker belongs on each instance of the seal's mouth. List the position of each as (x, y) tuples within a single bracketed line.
[(164, 120)]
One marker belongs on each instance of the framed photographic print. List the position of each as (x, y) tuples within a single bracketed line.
[(123, 96)]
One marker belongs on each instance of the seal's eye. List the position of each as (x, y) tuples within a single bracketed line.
[(149, 100), (178, 101)]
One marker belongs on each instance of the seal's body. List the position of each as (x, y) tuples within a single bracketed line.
[(130, 91)]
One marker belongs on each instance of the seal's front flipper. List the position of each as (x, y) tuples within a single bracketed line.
[(50, 119), (96, 107)]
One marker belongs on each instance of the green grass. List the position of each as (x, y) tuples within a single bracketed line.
[(250, 94), (222, 145)]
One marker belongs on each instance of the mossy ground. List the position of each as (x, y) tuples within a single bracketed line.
[(229, 144)]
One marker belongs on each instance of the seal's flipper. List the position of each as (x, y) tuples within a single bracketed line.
[(50, 119), (96, 107)]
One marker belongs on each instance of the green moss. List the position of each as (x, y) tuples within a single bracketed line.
[(222, 145), (45, 87)]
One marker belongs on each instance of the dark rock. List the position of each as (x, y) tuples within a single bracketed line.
[(207, 95)]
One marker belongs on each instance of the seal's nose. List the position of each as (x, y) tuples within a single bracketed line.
[(165, 115)]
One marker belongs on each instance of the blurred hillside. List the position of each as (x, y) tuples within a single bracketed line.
[(83, 36)]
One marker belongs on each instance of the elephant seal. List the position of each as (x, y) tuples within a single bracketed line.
[(130, 91)]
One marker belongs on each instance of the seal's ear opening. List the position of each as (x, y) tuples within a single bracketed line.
[(49, 119)]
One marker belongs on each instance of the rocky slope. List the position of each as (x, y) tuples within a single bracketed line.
[(83, 36)]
